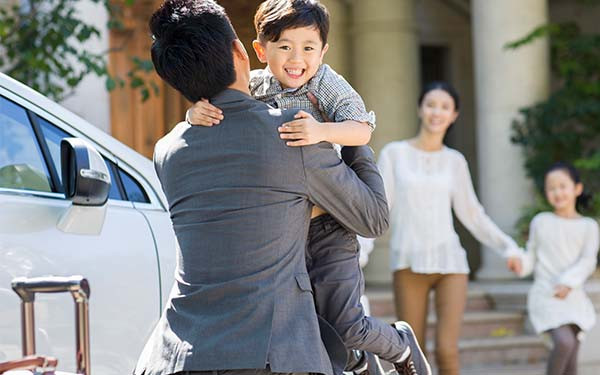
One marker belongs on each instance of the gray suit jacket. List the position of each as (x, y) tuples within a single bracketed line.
[(240, 203)]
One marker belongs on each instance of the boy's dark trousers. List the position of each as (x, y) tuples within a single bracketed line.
[(332, 261)]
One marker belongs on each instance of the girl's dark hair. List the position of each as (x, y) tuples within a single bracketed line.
[(583, 200), (440, 85)]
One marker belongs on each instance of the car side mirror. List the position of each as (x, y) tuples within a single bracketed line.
[(85, 176)]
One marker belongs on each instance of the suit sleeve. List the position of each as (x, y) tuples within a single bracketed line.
[(351, 190)]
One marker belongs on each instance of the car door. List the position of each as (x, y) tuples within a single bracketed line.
[(120, 262)]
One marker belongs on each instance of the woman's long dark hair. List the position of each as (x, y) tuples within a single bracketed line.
[(440, 85)]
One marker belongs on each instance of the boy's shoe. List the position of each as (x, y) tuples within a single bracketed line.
[(374, 365), (415, 363), (357, 363)]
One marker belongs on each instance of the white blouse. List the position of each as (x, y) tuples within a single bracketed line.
[(560, 251), (422, 188)]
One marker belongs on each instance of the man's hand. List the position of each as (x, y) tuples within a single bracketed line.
[(514, 264), (203, 113), (561, 291), (305, 130)]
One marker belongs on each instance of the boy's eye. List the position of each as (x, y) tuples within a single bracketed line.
[(285, 48), (309, 49)]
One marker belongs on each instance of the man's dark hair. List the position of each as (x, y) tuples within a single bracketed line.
[(192, 48), (273, 17)]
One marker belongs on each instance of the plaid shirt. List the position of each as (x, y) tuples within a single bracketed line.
[(337, 99)]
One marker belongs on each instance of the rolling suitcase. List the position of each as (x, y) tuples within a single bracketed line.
[(32, 364)]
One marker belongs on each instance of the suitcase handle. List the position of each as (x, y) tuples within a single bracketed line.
[(29, 362), (79, 288)]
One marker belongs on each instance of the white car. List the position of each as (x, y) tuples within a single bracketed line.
[(124, 246)]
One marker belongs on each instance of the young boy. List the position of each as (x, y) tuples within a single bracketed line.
[(292, 40)]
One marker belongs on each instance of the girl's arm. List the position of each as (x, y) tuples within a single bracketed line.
[(576, 275), (470, 212)]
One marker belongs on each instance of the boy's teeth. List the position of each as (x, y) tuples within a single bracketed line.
[(294, 71)]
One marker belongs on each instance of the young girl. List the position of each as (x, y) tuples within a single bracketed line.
[(561, 252)]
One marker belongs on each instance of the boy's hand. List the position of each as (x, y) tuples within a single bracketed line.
[(305, 130), (514, 264), (561, 291), (203, 113)]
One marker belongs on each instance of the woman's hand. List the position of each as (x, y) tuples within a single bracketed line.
[(561, 291), (305, 130), (204, 114), (515, 264)]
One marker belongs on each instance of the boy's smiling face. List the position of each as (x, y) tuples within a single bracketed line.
[(295, 57)]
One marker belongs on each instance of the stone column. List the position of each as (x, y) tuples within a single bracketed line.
[(505, 80), (386, 73), (338, 56)]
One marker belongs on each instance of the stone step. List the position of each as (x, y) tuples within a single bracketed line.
[(480, 324), (526, 369), (381, 300), (518, 355), (524, 349)]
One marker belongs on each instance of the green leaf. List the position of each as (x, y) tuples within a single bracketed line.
[(111, 84), (155, 88), (145, 94), (136, 82), (538, 32)]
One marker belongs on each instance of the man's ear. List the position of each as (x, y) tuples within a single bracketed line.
[(239, 50), (261, 53)]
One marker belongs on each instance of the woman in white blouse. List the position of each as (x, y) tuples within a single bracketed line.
[(425, 181)]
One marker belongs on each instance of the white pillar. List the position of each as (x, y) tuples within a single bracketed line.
[(505, 81), (386, 74), (338, 56)]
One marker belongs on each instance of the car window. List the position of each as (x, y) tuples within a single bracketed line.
[(53, 135), (22, 165), (133, 189), (114, 192)]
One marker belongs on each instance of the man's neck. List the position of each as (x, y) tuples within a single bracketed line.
[(240, 86)]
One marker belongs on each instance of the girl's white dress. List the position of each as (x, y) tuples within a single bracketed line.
[(560, 251)]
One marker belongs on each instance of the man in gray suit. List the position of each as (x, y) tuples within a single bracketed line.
[(240, 203)]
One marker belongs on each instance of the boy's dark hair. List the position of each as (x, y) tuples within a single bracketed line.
[(192, 48), (273, 17), (583, 200)]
